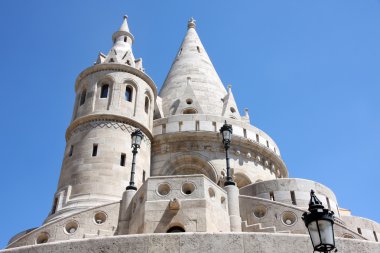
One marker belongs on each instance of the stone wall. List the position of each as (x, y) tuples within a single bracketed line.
[(293, 191), (366, 227), (99, 221), (198, 242)]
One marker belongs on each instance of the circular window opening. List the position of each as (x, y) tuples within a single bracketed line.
[(188, 188), (232, 109), (189, 101), (176, 229), (100, 218), (189, 111), (211, 193), (289, 218), (42, 238), (163, 189), (71, 227), (260, 211)]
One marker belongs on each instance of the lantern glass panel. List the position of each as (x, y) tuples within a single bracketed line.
[(138, 140), (134, 139), (327, 233), (314, 233), (226, 135)]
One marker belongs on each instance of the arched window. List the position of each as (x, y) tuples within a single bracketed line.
[(146, 104), (83, 97), (176, 229), (128, 94), (104, 91)]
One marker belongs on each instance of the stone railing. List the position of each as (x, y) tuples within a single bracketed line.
[(198, 122)]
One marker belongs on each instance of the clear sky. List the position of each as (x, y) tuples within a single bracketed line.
[(307, 70)]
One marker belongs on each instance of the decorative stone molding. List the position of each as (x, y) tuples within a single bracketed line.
[(108, 124), (99, 119)]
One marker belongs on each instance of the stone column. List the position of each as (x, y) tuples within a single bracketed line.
[(125, 212), (233, 207)]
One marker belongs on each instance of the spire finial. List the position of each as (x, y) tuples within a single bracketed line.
[(191, 23), (124, 26)]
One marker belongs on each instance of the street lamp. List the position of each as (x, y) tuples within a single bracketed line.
[(137, 136), (226, 131), (319, 221)]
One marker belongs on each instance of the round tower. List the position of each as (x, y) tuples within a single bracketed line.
[(113, 98), (194, 105)]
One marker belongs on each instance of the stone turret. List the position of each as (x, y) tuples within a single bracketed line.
[(194, 106), (113, 98), (192, 84)]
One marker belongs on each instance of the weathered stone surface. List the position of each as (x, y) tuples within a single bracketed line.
[(197, 242)]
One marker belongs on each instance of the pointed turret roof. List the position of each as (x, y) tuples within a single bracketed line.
[(192, 77), (121, 51), (229, 108)]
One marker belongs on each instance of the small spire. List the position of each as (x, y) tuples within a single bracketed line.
[(246, 112), (123, 31), (124, 26), (191, 23), (229, 88)]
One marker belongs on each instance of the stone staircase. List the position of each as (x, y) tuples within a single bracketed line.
[(257, 227)]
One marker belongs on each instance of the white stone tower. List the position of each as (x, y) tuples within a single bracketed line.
[(195, 104), (113, 97)]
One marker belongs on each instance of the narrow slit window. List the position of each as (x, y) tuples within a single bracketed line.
[(71, 150), (271, 196), (180, 126), (293, 197), (245, 132), (163, 128), (197, 125), (104, 91), (198, 49), (375, 235), (146, 104), (328, 203), (144, 175), (359, 231), (83, 97), (122, 159), (214, 125), (128, 94), (267, 144), (95, 150), (257, 138), (125, 39)]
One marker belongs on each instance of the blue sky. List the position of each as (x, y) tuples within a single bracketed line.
[(307, 70)]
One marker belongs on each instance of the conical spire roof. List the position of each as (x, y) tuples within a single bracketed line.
[(230, 108), (192, 63), (121, 51), (124, 26)]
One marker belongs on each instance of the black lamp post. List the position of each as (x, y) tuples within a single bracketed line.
[(320, 221), (137, 136), (226, 131)]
